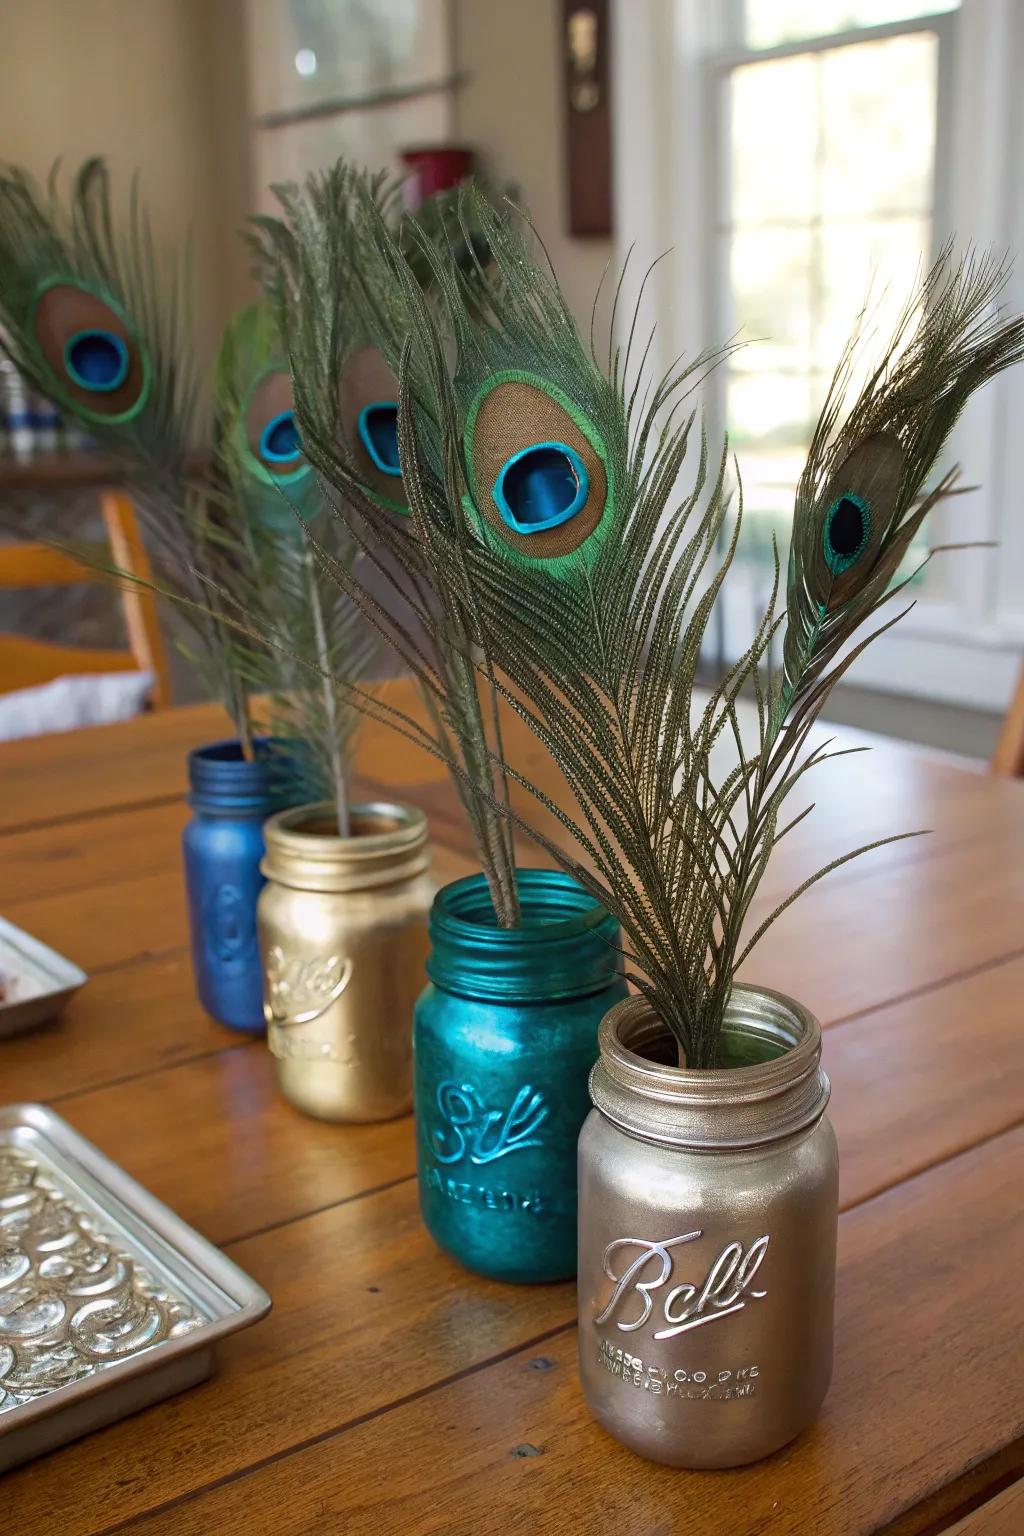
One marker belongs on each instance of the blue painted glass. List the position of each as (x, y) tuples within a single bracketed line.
[(222, 846), (505, 1036)]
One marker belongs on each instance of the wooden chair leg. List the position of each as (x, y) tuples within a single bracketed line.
[(140, 612), (1008, 758)]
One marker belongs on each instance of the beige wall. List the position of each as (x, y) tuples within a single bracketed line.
[(155, 86), (510, 109)]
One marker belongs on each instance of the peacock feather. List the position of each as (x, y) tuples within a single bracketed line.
[(99, 325), (343, 318), (311, 645), (545, 492)]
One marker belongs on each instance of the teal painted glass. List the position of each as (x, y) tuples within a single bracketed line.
[(505, 1036)]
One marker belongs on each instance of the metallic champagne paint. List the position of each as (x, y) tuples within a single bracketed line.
[(707, 1236)]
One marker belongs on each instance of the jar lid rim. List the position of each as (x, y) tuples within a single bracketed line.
[(327, 862), (721, 1106)]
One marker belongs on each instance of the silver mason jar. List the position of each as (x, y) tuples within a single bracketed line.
[(708, 1206)]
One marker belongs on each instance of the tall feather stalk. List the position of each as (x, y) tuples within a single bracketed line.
[(311, 647), (336, 303), (596, 649)]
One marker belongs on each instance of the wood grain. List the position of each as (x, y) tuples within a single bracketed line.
[(122, 1023), (1001, 1516), (78, 855), (511, 1447), (269, 1160), (223, 1111), (389, 1389)]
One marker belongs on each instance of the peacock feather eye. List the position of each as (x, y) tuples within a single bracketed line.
[(98, 364), (270, 434), (368, 418), (538, 470), (541, 487), (279, 441), (378, 432), (847, 531), (97, 360)]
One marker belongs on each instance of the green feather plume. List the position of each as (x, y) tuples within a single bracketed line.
[(82, 298), (343, 319), (225, 536), (311, 646), (594, 639)]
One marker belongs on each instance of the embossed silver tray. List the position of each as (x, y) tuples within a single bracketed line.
[(108, 1302), (40, 980)]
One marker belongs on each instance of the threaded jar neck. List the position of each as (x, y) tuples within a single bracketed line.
[(388, 844), (224, 783), (564, 947), (771, 1086)]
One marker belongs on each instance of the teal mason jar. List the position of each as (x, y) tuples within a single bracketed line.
[(505, 1036)]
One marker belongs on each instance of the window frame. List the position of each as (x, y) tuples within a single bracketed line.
[(956, 645)]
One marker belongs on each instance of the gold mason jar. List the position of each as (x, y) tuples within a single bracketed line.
[(708, 1206), (343, 940)]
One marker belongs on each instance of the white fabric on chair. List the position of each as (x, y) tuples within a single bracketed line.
[(92, 698)]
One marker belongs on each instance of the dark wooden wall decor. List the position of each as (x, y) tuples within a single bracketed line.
[(586, 52)]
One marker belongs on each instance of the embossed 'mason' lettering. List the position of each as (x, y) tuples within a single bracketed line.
[(486, 1134), (485, 1198), (726, 1288)]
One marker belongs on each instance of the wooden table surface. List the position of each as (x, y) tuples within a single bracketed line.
[(391, 1391)]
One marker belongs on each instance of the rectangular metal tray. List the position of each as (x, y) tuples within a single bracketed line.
[(108, 1301), (46, 979)]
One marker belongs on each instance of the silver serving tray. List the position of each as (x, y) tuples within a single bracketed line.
[(108, 1302), (43, 980)]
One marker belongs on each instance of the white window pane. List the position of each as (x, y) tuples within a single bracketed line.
[(772, 145), (768, 415), (878, 126), (771, 297), (881, 261), (769, 22)]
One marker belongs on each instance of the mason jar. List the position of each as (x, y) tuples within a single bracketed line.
[(222, 845), (707, 1236), (343, 940), (505, 1036)]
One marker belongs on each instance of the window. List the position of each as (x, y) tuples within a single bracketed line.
[(828, 192), (782, 152)]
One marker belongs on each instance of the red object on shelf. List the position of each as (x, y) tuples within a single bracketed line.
[(434, 168)]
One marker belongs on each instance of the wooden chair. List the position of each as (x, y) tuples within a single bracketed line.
[(26, 663), (1008, 757)]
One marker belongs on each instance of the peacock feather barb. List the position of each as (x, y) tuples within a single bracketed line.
[(544, 491), (99, 324), (343, 319), (311, 645)]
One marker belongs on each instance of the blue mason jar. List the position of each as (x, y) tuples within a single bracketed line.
[(504, 1038), (223, 845)]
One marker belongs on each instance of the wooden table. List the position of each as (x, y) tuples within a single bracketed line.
[(389, 1390)]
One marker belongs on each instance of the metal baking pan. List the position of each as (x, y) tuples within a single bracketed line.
[(38, 980), (108, 1302)]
